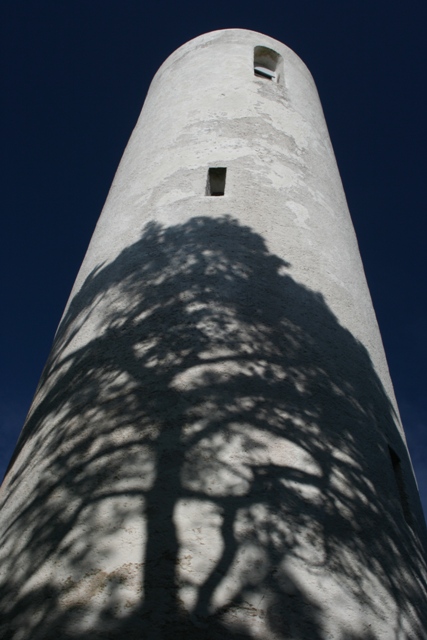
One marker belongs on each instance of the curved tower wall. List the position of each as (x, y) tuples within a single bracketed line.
[(205, 107), (215, 448)]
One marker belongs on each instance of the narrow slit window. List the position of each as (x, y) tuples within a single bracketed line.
[(267, 64), (216, 181), (398, 476)]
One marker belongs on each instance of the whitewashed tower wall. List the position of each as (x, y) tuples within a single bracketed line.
[(214, 449)]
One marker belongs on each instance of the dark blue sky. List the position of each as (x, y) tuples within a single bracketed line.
[(74, 75)]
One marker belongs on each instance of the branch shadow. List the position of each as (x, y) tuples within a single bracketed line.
[(207, 457)]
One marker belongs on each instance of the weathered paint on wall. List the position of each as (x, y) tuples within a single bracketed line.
[(208, 452)]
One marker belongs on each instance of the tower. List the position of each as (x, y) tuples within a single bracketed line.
[(214, 449)]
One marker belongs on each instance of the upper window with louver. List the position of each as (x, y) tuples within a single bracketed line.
[(267, 64)]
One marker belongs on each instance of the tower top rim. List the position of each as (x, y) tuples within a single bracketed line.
[(235, 35)]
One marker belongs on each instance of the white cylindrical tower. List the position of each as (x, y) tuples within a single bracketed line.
[(214, 449)]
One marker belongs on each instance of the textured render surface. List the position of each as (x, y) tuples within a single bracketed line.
[(207, 455)]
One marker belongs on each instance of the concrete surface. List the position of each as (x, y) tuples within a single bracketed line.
[(215, 450)]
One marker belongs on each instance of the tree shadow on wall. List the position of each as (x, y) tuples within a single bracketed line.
[(206, 457)]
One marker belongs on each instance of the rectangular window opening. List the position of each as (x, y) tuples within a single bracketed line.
[(400, 482), (216, 181), (267, 64)]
